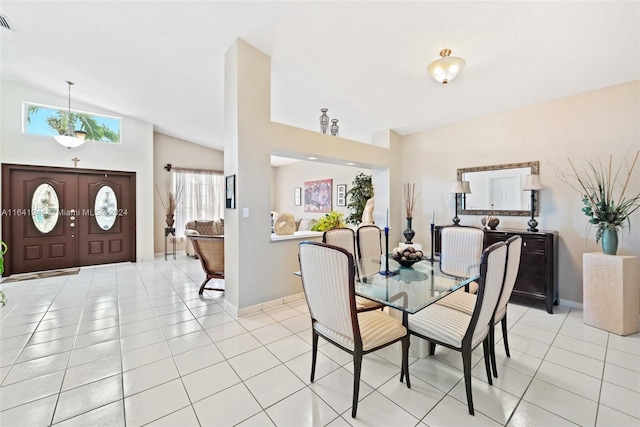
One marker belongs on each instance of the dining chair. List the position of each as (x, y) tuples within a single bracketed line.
[(462, 332), (345, 238), (460, 252), (369, 244), (465, 302), (210, 251), (329, 286)]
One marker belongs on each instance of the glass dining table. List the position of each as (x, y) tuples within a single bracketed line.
[(408, 289)]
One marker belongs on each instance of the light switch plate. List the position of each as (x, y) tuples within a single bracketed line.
[(245, 212)]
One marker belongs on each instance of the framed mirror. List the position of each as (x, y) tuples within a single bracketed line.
[(497, 189)]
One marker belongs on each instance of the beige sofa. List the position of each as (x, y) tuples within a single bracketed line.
[(207, 227)]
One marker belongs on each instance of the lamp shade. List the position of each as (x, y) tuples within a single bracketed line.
[(466, 188), (69, 141), (446, 68), (532, 182), (457, 187)]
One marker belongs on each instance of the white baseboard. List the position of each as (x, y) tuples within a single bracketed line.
[(253, 309), (571, 304)]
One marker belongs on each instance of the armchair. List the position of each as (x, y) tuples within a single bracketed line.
[(201, 227)]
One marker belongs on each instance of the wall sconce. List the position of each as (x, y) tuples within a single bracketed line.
[(459, 187), (532, 183), (446, 68), (71, 138)]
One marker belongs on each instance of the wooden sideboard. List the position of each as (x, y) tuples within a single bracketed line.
[(538, 275)]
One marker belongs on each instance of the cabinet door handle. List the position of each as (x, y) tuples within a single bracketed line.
[(524, 244)]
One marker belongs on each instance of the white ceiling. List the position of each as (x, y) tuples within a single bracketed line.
[(163, 61)]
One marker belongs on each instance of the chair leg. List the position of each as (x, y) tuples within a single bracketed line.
[(314, 354), (405, 361), (357, 367), (504, 335), (492, 348), (466, 362), (486, 348), (432, 348), (202, 286)]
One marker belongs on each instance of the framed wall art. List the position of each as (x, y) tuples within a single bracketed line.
[(231, 191), (341, 195), (317, 196), (297, 196)]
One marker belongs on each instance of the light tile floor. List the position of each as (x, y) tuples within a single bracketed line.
[(134, 344)]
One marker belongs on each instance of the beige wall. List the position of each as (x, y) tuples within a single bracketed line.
[(180, 153), (134, 154), (250, 138), (294, 175), (590, 125)]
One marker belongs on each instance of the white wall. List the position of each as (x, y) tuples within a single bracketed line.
[(591, 125), (294, 175), (135, 154), (179, 153)]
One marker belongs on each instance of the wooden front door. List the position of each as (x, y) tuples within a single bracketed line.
[(59, 217)]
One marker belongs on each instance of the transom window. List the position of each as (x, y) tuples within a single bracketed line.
[(50, 121)]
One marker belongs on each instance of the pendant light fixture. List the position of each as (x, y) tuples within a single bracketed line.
[(446, 68), (71, 138)]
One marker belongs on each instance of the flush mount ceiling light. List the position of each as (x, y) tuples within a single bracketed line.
[(71, 138), (446, 68)]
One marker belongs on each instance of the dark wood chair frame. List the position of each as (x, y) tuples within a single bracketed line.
[(466, 349), (358, 351)]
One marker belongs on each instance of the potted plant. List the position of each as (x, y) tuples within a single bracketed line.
[(361, 190), (603, 192), (331, 220)]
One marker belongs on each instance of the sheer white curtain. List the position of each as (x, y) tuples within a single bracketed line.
[(201, 196)]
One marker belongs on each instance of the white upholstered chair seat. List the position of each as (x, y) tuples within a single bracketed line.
[(459, 300), (445, 325), (376, 329), (365, 304)]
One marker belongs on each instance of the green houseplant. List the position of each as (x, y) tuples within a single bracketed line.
[(331, 220), (603, 192), (361, 190)]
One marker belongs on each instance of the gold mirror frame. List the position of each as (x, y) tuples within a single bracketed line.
[(535, 169)]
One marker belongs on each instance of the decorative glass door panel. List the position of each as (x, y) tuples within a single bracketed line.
[(45, 208)]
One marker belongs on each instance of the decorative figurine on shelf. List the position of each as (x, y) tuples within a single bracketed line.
[(284, 224), (489, 222), (367, 214)]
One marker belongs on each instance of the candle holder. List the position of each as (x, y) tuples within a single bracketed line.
[(386, 271), (433, 239)]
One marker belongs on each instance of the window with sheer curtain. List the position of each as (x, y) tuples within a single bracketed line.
[(201, 196)]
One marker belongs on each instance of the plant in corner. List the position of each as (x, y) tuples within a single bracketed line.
[(331, 220), (603, 194), (361, 190)]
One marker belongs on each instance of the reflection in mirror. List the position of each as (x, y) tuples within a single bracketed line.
[(497, 189)]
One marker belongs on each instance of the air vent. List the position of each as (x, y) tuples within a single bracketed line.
[(4, 22)]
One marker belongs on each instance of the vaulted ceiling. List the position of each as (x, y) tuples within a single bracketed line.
[(163, 61)]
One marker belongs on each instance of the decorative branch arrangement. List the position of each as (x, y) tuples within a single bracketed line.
[(171, 199), (597, 185), (409, 198)]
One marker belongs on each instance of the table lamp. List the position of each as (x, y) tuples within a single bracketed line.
[(532, 183)]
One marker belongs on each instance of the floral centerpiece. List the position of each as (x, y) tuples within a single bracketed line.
[(603, 192)]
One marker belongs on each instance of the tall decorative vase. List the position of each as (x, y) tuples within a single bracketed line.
[(408, 232), (170, 220), (610, 241), (324, 120)]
